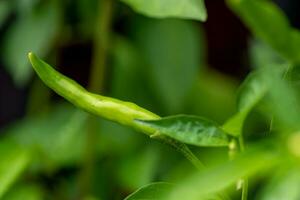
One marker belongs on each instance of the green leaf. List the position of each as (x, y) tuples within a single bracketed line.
[(203, 184), (284, 186), (283, 80), (283, 99), (14, 160), (188, 129), (153, 191), (34, 31), (173, 52), (186, 9), (252, 90), (234, 125), (269, 23), (262, 55), (295, 44)]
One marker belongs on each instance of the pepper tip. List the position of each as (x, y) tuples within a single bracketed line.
[(30, 54)]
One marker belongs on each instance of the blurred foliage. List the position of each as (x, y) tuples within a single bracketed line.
[(4, 11), (34, 30), (157, 59), (190, 9), (14, 161), (25, 191)]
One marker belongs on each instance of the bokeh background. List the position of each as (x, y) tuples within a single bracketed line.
[(168, 66)]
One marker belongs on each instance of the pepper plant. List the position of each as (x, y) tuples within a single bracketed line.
[(266, 167)]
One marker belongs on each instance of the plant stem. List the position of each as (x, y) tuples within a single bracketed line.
[(38, 98), (192, 158), (245, 189), (235, 146), (96, 85), (184, 150), (245, 180), (101, 45), (241, 143)]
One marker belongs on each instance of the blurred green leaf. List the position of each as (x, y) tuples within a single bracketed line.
[(203, 184), (25, 6), (25, 191), (188, 129), (127, 72), (140, 168), (117, 139), (179, 171), (153, 191), (234, 125), (282, 80), (5, 9), (295, 44), (212, 96), (262, 55), (53, 136), (284, 186), (173, 52), (14, 160), (283, 99), (269, 23), (186, 9), (35, 31), (293, 76), (252, 90)]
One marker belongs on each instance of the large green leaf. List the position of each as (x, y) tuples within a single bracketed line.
[(252, 90), (173, 52), (153, 191), (203, 184), (284, 186), (187, 9), (34, 31), (269, 23), (188, 129), (14, 160)]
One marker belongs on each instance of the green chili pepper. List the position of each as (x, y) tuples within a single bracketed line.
[(109, 108), (112, 109)]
